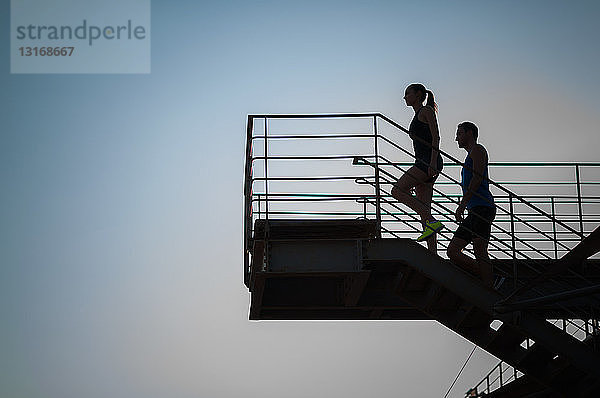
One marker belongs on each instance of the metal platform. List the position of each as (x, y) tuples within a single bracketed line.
[(324, 269), (314, 269)]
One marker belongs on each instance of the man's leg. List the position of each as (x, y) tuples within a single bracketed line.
[(482, 226), (480, 247), (456, 255)]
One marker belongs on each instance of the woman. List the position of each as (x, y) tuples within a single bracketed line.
[(421, 176)]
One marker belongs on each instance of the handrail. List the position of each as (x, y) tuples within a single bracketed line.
[(489, 383), (313, 115), (248, 200), (456, 161), (496, 240), (475, 193), (436, 190), (527, 265), (528, 164), (510, 193), (524, 218)]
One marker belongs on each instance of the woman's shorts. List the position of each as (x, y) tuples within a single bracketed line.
[(423, 164)]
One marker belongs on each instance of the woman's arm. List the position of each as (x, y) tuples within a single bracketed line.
[(431, 120)]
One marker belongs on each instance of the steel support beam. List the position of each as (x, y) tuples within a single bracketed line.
[(472, 290), (549, 299)]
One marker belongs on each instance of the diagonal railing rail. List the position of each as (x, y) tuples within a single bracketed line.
[(534, 289), (507, 248)]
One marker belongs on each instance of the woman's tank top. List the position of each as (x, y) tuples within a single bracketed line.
[(420, 129)]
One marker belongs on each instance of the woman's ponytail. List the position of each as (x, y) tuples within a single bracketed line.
[(431, 100)]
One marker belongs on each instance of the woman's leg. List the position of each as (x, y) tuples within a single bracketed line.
[(401, 191), (424, 193)]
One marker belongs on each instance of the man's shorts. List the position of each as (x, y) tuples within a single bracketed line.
[(478, 224)]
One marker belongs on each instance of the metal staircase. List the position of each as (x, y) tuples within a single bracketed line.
[(463, 304), (323, 242)]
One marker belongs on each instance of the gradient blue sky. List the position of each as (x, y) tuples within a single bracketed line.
[(121, 204)]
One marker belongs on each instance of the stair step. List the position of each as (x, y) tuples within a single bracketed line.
[(474, 318), (405, 279), (590, 387), (418, 283), (536, 356), (434, 294), (506, 337), (570, 376)]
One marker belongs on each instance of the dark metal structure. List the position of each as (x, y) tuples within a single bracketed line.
[(323, 239)]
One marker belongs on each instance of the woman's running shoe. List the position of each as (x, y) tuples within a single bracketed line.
[(431, 227)]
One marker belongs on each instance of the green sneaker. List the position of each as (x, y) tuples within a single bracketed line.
[(430, 229)]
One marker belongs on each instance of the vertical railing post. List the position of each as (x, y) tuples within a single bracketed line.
[(587, 329), (512, 234), (266, 175), (554, 228), (377, 186), (501, 383), (594, 328), (266, 237), (248, 199), (579, 199)]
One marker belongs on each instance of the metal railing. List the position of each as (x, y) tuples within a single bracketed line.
[(297, 168), (504, 373), (535, 223), (543, 221), (499, 376)]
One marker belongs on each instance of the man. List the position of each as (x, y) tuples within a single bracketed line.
[(479, 202)]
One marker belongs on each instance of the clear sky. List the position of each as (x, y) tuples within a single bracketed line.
[(121, 200)]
